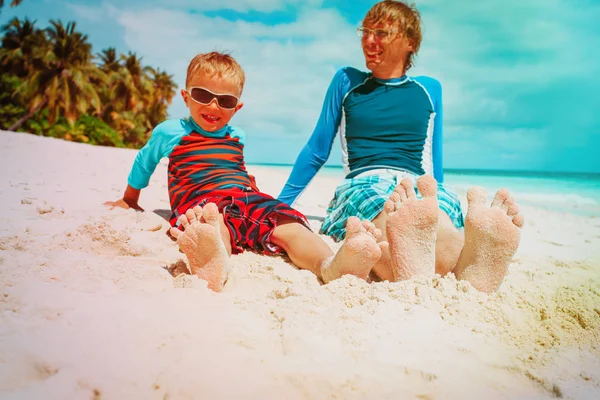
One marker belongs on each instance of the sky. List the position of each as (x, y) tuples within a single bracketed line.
[(520, 82)]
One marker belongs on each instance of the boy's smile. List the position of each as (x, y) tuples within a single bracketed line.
[(211, 117)]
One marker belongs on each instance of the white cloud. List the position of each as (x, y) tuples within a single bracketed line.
[(493, 58), (288, 66), (89, 13)]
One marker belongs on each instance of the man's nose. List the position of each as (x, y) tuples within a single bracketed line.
[(369, 38)]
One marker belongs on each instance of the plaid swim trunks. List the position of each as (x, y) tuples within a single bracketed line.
[(364, 196), (250, 217)]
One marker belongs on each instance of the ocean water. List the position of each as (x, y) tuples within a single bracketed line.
[(565, 192)]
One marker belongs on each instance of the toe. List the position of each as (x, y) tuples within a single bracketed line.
[(183, 221), (377, 233), (175, 232), (507, 204), (476, 196), (512, 210), (191, 215), (501, 196), (198, 212), (210, 212), (519, 220), (399, 193), (389, 206), (409, 187), (353, 226), (427, 186), (383, 245)]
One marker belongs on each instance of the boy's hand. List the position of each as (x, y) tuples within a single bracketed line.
[(123, 204)]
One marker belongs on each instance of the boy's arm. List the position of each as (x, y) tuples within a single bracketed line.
[(143, 167), (130, 199), (316, 152)]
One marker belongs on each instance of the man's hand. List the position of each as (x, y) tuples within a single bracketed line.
[(123, 204)]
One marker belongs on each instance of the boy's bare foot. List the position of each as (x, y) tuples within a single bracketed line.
[(411, 228), (202, 244), (492, 237), (358, 254)]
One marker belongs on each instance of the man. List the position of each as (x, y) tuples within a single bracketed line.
[(391, 133)]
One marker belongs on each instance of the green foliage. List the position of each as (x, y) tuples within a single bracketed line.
[(50, 85), (10, 108)]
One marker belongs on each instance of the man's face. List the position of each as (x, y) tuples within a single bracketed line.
[(210, 116), (384, 48)]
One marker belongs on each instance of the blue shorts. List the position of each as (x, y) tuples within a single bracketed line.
[(364, 196)]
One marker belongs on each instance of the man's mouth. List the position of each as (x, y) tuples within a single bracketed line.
[(210, 118), (372, 55)]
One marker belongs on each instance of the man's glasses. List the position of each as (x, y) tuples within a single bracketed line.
[(380, 34), (205, 96)]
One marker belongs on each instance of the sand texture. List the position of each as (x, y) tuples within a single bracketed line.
[(96, 303)]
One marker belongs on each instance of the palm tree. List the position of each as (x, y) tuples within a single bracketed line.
[(163, 90), (13, 3), (64, 83), (109, 61), (23, 45)]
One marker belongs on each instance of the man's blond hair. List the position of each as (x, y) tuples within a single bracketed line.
[(404, 17), (216, 64)]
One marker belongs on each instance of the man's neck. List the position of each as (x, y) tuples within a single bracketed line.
[(396, 72)]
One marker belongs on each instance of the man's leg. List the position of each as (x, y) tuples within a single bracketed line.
[(448, 245), (206, 242), (308, 251), (492, 236)]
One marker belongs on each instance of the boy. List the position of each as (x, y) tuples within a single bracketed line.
[(217, 208)]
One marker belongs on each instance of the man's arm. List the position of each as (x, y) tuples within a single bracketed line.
[(434, 89), (316, 152), (437, 153)]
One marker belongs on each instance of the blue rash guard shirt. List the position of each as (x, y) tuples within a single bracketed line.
[(383, 124)]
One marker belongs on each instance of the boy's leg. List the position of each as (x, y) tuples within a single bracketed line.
[(308, 251), (206, 242)]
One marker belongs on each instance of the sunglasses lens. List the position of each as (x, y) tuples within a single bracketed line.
[(201, 95), (205, 97), (227, 101)]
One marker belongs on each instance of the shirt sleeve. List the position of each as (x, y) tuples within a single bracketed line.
[(148, 158), (438, 166), (316, 151), (434, 88)]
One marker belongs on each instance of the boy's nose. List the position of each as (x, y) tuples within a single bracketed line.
[(214, 103)]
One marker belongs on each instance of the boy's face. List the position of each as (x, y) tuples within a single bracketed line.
[(211, 117)]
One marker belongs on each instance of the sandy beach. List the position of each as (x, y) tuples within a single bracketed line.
[(97, 303)]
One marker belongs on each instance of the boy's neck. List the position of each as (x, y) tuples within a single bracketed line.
[(197, 128)]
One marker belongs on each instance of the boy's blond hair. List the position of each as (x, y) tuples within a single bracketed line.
[(216, 64), (406, 18)]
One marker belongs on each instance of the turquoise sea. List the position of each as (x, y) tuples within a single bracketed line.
[(577, 193)]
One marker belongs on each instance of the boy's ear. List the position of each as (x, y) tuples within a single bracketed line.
[(184, 94), (239, 106)]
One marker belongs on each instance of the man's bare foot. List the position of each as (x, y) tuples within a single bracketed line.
[(492, 237), (358, 254), (411, 228), (202, 244)]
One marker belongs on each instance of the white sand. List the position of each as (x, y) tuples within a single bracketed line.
[(88, 308)]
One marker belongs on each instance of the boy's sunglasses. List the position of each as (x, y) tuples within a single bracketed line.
[(205, 96)]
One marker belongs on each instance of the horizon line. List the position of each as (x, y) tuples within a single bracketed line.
[(489, 171)]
